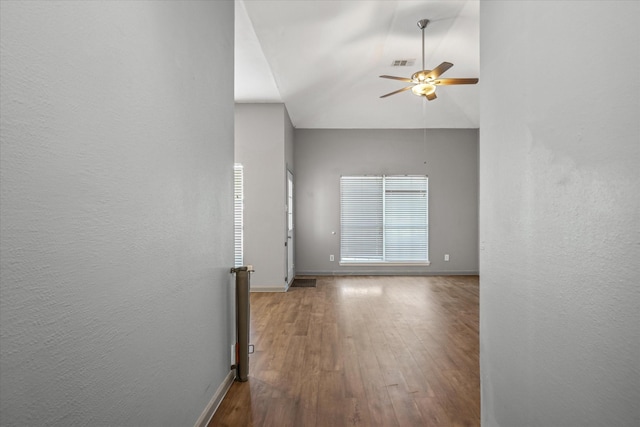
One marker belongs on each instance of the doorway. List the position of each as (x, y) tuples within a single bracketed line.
[(290, 230)]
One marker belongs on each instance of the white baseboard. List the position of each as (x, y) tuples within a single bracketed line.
[(268, 289), (318, 273), (220, 393)]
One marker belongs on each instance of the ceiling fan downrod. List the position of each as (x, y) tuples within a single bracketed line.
[(422, 24)]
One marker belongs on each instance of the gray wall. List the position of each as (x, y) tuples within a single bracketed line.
[(289, 136), (448, 156), (262, 135), (559, 225), (116, 205)]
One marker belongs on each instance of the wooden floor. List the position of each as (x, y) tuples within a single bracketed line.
[(362, 351)]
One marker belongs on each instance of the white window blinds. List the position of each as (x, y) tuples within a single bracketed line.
[(361, 222), (238, 200), (384, 219), (405, 207)]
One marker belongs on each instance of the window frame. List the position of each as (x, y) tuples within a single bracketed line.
[(378, 256)]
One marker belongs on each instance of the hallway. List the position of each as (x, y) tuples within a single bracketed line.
[(368, 351)]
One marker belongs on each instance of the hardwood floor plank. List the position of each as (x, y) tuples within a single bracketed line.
[(362, 351), (381, 412), (331, 386), (330, 352), (353, 384), (281, 413), (406, 410), (313, 348), (329, 413), (355, 412), (307, 412), (301, 323), (432, 412), (294, 356)]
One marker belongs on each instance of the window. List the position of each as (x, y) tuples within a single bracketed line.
[(384, 219), (238, 200)]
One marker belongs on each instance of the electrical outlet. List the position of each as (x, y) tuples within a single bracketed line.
[(233, 354), (446, 257), (331, 257)]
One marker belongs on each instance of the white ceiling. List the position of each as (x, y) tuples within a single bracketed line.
[(322, 59)]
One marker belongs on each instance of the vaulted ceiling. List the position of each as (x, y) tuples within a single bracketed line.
[(323, 59)]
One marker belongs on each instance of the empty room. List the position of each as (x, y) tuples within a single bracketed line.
[(319, 213)]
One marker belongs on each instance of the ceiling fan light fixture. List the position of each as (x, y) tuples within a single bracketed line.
[(420, 76), (423, 89)]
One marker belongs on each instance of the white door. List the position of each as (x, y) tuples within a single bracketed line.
[(289, 244)]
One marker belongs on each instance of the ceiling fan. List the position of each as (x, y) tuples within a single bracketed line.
[(424, 82)]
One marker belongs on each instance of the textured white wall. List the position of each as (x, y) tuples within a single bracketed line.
[(559, 225), (116, 206), (260, 147)]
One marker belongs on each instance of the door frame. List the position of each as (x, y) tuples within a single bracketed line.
[(290, 231)]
